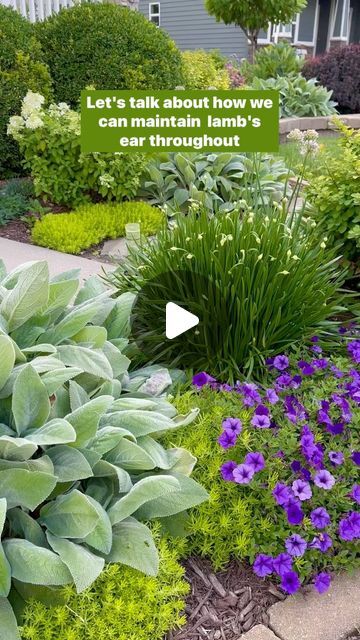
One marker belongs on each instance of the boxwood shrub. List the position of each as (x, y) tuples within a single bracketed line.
[(21, 68), (107, 46)]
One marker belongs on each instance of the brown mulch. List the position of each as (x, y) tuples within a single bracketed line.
[(224, 605)]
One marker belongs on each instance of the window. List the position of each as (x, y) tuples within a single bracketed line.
[(154, 13)]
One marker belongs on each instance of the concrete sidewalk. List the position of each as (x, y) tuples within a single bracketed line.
[(15, 253)]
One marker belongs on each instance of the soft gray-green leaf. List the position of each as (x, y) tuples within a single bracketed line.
[(30, 401), (70, 516), (29, 295), (23, 488), (69, 463), (16, 448), (129, 455), (93, 362), (37, 565), (134, 546), (139, 422), (145, 490), (5, 574), (8, 624), (57, 431), (7, 358), (85, 419), (24, 526), (83, 565), (189, 495)]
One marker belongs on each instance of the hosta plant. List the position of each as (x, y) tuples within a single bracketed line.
[(217, 181), (80, 465)]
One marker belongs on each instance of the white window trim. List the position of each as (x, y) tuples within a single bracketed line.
[(157, 14), (345, 7), (266, 40), (315, 29)]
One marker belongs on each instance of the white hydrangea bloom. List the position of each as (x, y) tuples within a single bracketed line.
[(33, 122), (16, 123), (32, 102)]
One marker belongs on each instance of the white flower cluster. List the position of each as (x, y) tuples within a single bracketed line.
[(106, 180), (307, 140), (58, 110), (31, 115)]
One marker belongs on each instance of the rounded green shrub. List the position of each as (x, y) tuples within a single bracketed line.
[(202, 71), (21, 68), (122, 604), (109, 47), (272, 61), (90, 224)]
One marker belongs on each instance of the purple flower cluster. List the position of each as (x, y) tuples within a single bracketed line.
[(321, 429)]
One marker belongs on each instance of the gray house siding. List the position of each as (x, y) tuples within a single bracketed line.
[(189, 24)]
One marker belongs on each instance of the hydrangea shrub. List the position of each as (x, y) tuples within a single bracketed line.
[(49, 139), (281, 463)]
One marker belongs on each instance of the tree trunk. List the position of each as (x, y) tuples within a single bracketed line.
[(253, 37)]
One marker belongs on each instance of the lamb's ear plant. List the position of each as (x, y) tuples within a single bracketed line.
[(80, 466)]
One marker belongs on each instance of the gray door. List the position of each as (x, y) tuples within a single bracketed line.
[(323, 28)]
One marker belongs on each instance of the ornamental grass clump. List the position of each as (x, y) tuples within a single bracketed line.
[(293, 464), (80, 465), (260, 281)]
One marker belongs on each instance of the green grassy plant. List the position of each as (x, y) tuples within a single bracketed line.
[(90, 224)]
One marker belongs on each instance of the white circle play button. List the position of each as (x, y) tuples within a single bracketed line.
[(178, 320)]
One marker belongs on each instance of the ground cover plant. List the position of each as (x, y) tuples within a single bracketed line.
[(122, 604), (335, 195), (90, 224), (298, 96), (106, 45), (79, 469), (22, 67), (217, 181), (281, 460), (241, 266), (49, 139), (16, 199), (339, 71)]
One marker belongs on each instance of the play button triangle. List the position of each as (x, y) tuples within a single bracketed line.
[(178, 320)]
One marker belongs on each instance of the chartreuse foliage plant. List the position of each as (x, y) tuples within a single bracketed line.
[(49, 140), (281, 463), (335, 195), (201, 71), (216, 181), (91, 223), (259, 280), (80, 465), (122, 604)]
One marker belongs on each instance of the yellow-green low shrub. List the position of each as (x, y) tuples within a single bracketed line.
[(122, 604), (89, 224), (202, 70)]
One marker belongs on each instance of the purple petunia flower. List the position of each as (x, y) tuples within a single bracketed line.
[(271, 396), (281, 362), (336, 458), (354, 351), (243, 474), (227, 439), (282, 563), (227, 470), (306, 368), (282, 494), (232, 424), (355, 493), (301, 489), (263, 565), (324, 480), (260, 421), (322, 542), (355, 457), (314, 339), (290, 582), (294, 512), (320, 363), (294, 410), (295, 545), (202, 379), (347, 530), (320, 518), (336, 371), (255, 460), (250, 394), (316, 349), (322, 582)]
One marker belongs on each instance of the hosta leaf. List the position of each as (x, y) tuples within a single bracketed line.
[(16, 448), (7, 359), (30, 401), (92, 362), (70, 516), (8, 624), (85, 419), (145, 490), (69, 463), (36, 565), (23, 488), (83, 565), (134, 546), (57, 431), (24, 526), (100, 537), (189, 494), (29, 295)]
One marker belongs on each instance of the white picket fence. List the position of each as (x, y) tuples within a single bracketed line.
[(37, 10)]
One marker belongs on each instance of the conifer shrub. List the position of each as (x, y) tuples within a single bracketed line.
[(107, 46), (92, 223), (122, 604)]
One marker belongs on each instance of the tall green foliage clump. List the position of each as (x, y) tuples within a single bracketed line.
[(22, 68), (107, 46), (80, 465), (272, 61), (122, 604)]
